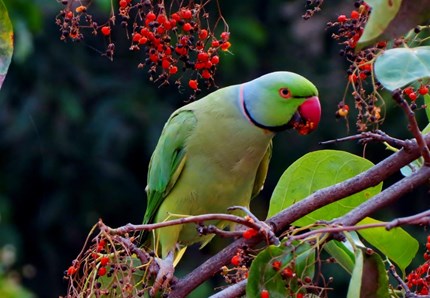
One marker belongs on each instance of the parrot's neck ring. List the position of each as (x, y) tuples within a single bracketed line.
[(249, 117)]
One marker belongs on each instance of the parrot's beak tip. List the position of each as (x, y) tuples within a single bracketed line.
[(308, 116)]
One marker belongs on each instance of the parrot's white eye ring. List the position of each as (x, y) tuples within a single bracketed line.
[(285, 92)]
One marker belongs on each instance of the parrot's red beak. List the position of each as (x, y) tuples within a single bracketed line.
[(307, 116)]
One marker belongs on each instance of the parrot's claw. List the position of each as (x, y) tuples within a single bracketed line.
[(164, 275)]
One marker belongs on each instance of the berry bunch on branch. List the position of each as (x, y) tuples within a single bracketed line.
[(179, 41)]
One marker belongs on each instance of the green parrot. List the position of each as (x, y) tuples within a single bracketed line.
[(214, 153)]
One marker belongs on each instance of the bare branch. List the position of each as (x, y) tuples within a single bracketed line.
[(366, 137), (422, 218), (413, 125), (386, 197), (235, 290), (197, 219)]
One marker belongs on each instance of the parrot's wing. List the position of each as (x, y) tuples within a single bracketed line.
[(260, 177), (168, 160)]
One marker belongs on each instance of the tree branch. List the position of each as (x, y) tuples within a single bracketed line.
[(386, 197), (413, 125), (320, 198)]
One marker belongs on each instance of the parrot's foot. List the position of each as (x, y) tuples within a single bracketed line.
[(164, 275)]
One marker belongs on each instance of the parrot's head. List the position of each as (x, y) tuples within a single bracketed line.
[(281, 100)]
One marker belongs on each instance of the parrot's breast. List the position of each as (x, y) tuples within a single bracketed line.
[(223, 156)]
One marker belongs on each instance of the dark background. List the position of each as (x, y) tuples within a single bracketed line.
[(77, 130)]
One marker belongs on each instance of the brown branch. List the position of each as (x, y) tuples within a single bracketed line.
[(386, 197), (413, 125), (366, 137), (197, 219), (422, 218), (320, 198), (235, 290)]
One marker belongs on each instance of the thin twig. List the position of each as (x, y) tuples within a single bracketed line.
[(408, 293), (413, 125), (366, 137), (422, 218), (386, 197), (197, 219), (236, 290)]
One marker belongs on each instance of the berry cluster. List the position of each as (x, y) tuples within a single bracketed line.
[(418, 280), (350, 27), (110, 259), (177, 43), (240, 261)]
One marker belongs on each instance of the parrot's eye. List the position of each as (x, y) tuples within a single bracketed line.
[(285, 92)]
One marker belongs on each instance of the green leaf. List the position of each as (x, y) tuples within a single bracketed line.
[(427, 104), (369, 278), (398, 67), (297, 258), (317, 170), (343, 255), (6, 42), (391, 19), (388, 242), (383, 12)]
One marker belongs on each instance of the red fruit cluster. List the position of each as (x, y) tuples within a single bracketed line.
[(173, 40), (178, 41), (413, 94), (418, 280)]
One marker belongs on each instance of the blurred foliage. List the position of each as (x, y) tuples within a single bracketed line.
[(77, 130)]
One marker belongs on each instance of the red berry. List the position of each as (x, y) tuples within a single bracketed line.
[(288, 272), (176, 17), (300, 295), (136, 37), (206, 75), (161, 18), (413, 96), (428, 238), (151, 16), (353, 78), (72, 270), (362, 76), (381, 44), (428, 246), (235, 260), (225, 46), (173, 70), (355, 14), (123, 3), (215, 43), (193, 84), (276, 265), (249, 233), (203, 56), (69, 15), (143, 40), (342, 18), (264, 294), (215, 60), (186, 14), (105, 30), (423, 90), (104, 261), (165, 64), (408, 90), (187, 27), (199, 65), (102, 271), (203, 34), (225, 36), (102, 242)]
